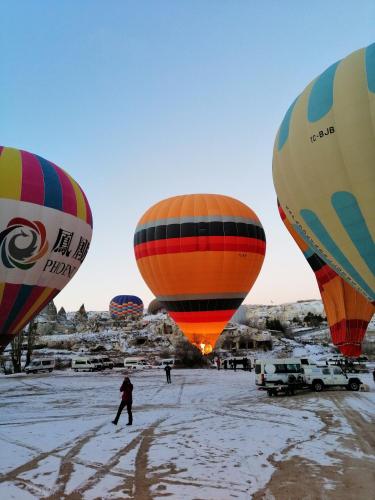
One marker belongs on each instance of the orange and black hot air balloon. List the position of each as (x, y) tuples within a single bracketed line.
[(200, 254), (348, 311)]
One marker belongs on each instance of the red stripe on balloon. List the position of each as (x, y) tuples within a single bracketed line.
[(325, 274), (32, 179), (69, 199), (10, 294), (202, 243), (349, 332), (202, 316)]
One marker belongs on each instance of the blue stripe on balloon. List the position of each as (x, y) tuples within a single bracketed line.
[(321, 95), (284, 127), (321, 233), (52, 185), (351, 218), (22, 296), (370, 66)]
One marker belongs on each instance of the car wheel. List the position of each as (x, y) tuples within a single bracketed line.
[(318, 386), (353, 385)]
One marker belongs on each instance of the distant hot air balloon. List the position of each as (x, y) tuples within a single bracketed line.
[(200, 255), (123, 306), (323, 167), (348, 311), (155, 307), (45, 233)]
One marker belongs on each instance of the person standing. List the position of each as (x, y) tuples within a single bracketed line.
[(235, 365), (126, 400), (168, 373), (373, 374), (225, 364), (218, 363)]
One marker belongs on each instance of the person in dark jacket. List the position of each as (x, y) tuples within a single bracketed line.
[(168, 373), (126, 400)]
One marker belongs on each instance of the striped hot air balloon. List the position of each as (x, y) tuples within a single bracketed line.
[(323, 167), (45, 233), (200, 255), (348, 311), (124, 306)]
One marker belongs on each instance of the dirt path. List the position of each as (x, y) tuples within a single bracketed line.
[(350, 478)]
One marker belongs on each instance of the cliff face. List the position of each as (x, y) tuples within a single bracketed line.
[(82, 329)]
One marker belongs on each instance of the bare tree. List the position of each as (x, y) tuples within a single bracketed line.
[(31, 334), (16, 352)]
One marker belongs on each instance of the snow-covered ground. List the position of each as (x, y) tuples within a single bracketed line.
[(208, 435)]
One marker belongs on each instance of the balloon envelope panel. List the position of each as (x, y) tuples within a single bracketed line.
[(348, 311), (200, 255), (323, 167), (123, 306), (45, 234)]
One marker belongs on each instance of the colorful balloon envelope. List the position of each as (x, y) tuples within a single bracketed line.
[(323, 167), (200, 255), (45, 233), (124, 306), (348, 311)]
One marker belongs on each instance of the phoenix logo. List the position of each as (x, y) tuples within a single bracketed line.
[(22, 243)]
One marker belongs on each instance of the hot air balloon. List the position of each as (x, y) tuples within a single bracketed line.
[(323, 167), (124, 306), (200, 255), (348, 311), (155, 307), (45, 233)]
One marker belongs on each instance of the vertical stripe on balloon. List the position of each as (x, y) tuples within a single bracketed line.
[(69, 200), (32, 179), (21, 299), (81, 206), (52, 186), (45, 297), (10, 174), (22, 309), (10, 294), (88, 209), (2, 286)]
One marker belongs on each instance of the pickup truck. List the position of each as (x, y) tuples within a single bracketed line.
[(315, 378), (320, 378)]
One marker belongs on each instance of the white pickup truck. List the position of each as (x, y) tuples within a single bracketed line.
[(320, 378), (286, 375)]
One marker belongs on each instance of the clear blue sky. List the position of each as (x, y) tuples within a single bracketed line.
[(142, 100)]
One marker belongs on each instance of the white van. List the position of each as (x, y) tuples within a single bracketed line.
[(279, 370), (40, 365), (83, 364), (136, 363), (164, 362), (106, 361)]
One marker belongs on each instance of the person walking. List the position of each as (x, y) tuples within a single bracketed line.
[(235, 365), (126, 400), (168, 373), (225, 364), (373, 374)]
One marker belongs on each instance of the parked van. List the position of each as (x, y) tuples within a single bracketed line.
[(164, 362), (106, 361), (136, 363), (83, 364), (40, 365), (279, 370)]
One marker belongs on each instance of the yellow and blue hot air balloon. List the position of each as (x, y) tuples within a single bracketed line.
[(324, 167), (45, 233)]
